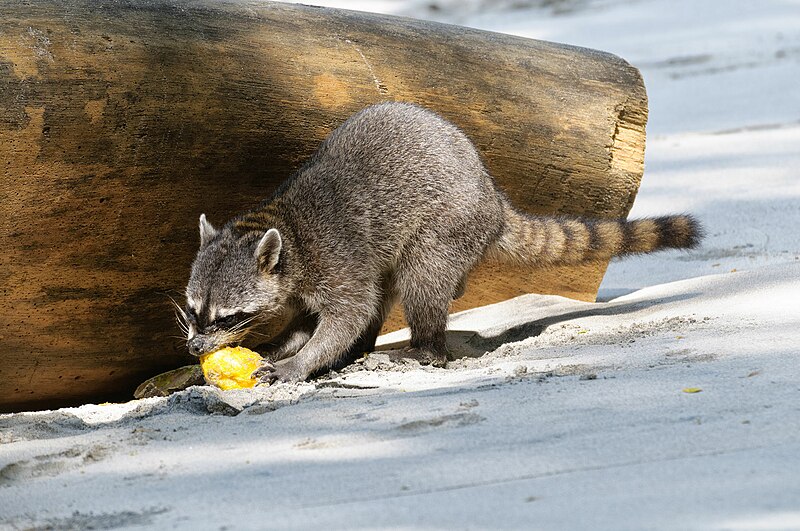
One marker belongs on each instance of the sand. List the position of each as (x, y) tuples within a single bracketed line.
[(556, 414)]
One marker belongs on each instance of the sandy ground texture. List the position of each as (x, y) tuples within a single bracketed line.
[(674, 404)]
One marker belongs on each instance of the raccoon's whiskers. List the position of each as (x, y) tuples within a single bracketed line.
[(180, 317), (237, 337), (177, 307), (247, 327), (183, 326), (242, 324)]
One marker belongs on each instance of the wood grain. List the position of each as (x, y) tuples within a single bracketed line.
[(121, 122)]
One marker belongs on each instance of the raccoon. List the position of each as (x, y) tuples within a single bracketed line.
[(394, 206)]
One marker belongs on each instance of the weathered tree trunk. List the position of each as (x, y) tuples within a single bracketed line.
[(120, 122)]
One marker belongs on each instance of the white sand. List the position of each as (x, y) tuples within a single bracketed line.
[(577, 418)]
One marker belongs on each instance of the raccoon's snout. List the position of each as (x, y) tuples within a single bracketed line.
[(198, 346)]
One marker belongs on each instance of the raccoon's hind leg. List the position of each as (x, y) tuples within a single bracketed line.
[(426, 283)]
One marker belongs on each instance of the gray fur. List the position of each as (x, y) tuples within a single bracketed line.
[(395, 205), (207, 232)]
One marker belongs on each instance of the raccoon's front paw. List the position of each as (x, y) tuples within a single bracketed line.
[(264, 372), (282, 371)]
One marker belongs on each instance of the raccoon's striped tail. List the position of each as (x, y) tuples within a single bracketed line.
[(552, 241)]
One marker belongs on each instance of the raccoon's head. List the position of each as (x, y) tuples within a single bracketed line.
[(236, 282)]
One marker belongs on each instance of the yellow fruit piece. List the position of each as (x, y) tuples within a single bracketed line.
[(231, 367), (692, 390)]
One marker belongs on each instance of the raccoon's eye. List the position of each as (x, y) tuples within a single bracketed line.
[(230, 320)]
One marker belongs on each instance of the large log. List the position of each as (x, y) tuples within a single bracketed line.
[(122, 121)]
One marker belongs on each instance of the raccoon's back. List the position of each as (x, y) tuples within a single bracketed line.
[(386, 174)]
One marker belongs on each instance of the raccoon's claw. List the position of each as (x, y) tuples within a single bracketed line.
[(264, 374), (282, 371)]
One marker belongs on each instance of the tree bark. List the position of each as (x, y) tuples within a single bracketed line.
[(122, 121)]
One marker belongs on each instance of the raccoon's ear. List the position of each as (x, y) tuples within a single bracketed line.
[(268, 250), (207, 232)]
